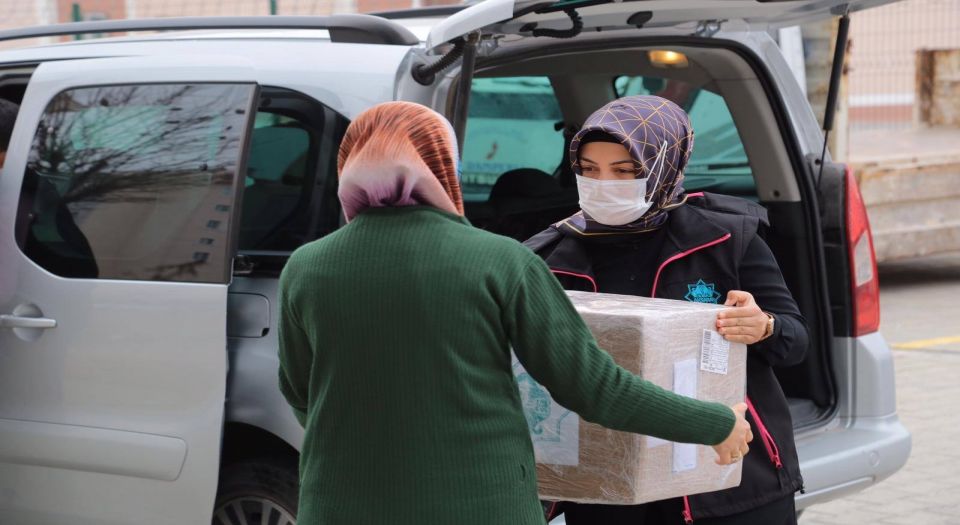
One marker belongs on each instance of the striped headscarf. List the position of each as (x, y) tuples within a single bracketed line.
[(644, 125), (399, 154)]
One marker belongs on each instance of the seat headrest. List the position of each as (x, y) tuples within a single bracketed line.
[(524, 182)]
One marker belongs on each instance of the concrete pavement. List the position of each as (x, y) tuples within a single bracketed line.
[(920, 317)]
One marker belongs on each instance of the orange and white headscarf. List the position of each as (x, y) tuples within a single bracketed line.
[(399, 154)]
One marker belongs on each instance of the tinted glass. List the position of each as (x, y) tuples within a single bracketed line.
[(289, 195), (275, 181), (718, 162), (512, 123), (135, 182)]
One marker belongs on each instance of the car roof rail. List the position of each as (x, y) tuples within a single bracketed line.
[(441, 11), (345, 28)]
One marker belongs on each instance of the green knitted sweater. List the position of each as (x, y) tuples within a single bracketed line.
[(395, 337)]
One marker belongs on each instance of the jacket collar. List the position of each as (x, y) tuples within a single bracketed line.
[(420, 210), (687, 230)]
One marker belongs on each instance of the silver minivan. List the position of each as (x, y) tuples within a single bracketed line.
[(155, 185)]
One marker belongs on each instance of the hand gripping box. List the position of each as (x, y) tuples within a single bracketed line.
[(670, 343)]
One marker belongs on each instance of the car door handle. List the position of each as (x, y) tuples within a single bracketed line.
[(16, 321)]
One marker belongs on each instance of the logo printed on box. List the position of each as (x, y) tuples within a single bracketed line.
[(536, 403), (554, 430)]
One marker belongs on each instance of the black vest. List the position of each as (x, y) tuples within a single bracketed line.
[(699, 261)]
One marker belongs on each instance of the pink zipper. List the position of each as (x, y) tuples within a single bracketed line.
[(551, 511), (768, 441), (580, 275), (681, 255), (687, 513), (772, 451)]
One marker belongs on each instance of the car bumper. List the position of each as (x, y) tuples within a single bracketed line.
[(851, 457)]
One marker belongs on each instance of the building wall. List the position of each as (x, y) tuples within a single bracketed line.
[(20, 13), (882, 61), (884, 40)]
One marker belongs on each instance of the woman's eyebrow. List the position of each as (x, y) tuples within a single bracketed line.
[(627, 161), (584, 159)]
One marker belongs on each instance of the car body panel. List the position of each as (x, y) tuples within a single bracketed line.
[(253, 392), (124, 396), (345, 77)]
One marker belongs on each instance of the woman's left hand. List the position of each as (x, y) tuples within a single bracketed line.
[(745, 322)]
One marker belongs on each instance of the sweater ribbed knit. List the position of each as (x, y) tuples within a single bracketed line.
[(395, 337)]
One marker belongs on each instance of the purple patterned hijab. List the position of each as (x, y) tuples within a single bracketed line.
[(643, 124)]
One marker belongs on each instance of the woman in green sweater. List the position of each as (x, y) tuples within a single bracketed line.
[(395, 338)]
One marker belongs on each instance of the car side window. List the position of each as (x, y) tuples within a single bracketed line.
[(718, 162), (289, 195), (135, 182), (512, 124)]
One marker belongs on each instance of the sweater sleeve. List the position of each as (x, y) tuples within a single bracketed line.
[(760, 275), (556, 348), (296, 355)]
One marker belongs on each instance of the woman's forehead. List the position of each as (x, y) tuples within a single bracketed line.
[(604, 152)]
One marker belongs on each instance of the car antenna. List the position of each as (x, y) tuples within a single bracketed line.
[(830, 111)]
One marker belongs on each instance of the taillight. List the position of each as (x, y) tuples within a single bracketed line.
[(865, 285)]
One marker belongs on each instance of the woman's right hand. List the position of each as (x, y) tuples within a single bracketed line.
[(735, 446)]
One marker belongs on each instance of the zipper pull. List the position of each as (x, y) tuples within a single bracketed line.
[(687, 513)]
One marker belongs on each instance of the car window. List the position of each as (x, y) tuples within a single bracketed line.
[(135, 182), (289, 195), (512, 123), (718, 162)]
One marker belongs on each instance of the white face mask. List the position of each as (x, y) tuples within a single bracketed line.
[(613, 202), (618, 202)]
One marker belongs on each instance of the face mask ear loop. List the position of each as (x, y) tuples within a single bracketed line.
[(659, 163)]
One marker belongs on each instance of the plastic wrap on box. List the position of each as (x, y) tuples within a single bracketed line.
[(670, 343)]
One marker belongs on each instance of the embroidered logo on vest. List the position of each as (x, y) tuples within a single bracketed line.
[(701, 292)]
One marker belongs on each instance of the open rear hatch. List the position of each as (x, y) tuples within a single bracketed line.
[(513, 20), (492, 20), (570, 17)]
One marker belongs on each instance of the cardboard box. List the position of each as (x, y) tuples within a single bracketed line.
[(670, 343)]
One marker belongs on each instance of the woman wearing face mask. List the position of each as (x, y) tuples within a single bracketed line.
[(639, 234), (395, 337)]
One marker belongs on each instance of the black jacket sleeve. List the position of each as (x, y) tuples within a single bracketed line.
[(760, 275)]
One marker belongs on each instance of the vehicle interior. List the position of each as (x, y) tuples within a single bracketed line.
[(517, 179), (290, 191)]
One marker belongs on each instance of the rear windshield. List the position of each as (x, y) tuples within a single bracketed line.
[(718, 162), (512, 123)]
